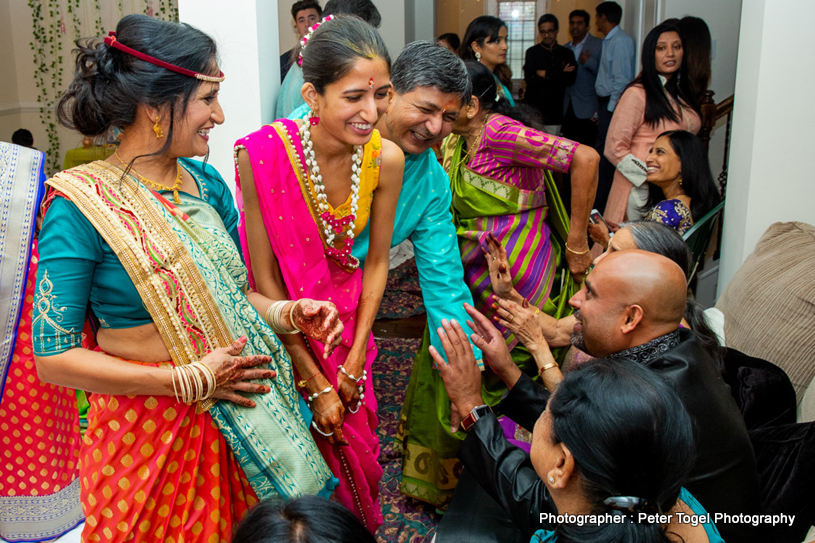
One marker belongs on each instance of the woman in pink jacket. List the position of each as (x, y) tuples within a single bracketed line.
[(656, 101)]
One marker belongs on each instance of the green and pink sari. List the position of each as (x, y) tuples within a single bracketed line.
[(506, 189)]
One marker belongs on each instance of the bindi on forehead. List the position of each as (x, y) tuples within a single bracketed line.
[(449, 106)]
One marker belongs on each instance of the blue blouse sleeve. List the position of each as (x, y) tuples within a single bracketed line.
[(667, 213), (70, 248)]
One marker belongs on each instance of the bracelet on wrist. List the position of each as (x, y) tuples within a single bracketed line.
[(311, 397), (301, 384), (360, 382), (576, 252), (188, 385), (548, 366), (273, 314)]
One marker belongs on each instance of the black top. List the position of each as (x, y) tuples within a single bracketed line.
[(285, 64), (546, 93), (724, 477)]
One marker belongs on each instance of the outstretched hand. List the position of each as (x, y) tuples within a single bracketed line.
[(496, 354), (461, 375), (319, 320)]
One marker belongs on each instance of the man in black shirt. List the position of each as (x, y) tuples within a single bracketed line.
[(305, 14), (548, 69), (630, 307)]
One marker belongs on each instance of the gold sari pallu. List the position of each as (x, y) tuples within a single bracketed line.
[(191, 280)]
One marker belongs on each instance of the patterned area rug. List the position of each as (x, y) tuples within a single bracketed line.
[(406, 520), (403, 296)]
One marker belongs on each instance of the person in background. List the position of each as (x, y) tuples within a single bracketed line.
[(308, 519), (548, 69), (486, 41), (450, 41), (290, 96), (616, 70), (23, 138), (681, 189), (655, 102), (697, 62), (304, 14), (580, 99)]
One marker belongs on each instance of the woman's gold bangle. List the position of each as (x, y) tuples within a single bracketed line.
[(548, 366), (576, 252)]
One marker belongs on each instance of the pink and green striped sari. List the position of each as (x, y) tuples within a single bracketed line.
[(503, 189)]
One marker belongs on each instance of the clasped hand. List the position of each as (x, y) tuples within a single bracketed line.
[(319, 320)]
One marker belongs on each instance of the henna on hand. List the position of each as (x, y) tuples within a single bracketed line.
[(236, 373), (319, 320), (329, 416)]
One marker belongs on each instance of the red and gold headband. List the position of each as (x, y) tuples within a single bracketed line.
[(111, 41)]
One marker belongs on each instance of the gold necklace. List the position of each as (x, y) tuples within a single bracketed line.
[(157, 186), (477, 141)]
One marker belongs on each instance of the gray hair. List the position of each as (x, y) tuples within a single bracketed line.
[(427, 64)]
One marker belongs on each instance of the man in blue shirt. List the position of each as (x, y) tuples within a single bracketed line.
[(615, 72), (431, 85)]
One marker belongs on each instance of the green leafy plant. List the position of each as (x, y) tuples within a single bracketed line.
[(50, 35)]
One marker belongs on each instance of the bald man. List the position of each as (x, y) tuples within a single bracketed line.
[(631, 306)]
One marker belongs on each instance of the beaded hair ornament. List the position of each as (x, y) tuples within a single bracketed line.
[(307, 37), (111, 41)]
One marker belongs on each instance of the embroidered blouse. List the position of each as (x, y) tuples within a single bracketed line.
[(78, 268), (673, 213)]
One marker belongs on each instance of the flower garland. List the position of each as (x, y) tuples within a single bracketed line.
[(331, 223)]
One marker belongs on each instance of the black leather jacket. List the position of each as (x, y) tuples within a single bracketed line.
[(724, 478)]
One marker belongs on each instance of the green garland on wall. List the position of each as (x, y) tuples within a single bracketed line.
[(50, 34)]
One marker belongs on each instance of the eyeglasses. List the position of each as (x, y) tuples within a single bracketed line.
[(548, 32)]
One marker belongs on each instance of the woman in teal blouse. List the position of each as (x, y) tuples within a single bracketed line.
[(486, 42), (188, 426)]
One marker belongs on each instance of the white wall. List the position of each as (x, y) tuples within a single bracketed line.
[(772, 161), (249, 58)]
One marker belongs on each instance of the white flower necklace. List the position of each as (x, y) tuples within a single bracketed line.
[(331, 224)]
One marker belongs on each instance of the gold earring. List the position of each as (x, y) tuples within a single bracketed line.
[(157, 128)]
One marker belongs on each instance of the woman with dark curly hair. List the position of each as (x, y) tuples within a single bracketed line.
[(187, 427)]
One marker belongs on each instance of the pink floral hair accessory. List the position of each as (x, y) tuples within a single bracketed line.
[(305, 39)]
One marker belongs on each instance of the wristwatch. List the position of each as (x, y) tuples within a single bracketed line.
[(475, 414)]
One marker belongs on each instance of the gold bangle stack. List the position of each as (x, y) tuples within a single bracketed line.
[(188, 386), (274, 313)]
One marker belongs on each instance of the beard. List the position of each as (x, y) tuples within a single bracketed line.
[(577, 337)]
